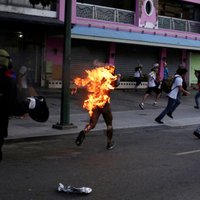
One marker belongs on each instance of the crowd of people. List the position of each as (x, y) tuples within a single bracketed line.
[(15, 100), (178, 88)]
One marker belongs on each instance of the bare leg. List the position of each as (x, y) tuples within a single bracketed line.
[(93, 121), (157, 97), (145, 97)]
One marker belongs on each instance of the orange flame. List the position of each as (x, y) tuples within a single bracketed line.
[(98, 82)]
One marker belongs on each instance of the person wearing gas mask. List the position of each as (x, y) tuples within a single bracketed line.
[(10, 105)]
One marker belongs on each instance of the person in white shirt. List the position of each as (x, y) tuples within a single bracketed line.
[(153, 86), (137, 76), (22, 82), (174, 96)]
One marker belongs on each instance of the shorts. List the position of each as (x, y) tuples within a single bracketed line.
[(153, 89), (137, 81)]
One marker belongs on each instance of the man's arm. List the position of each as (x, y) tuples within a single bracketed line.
[(182, 90)]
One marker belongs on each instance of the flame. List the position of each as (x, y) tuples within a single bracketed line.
[(98, 82)]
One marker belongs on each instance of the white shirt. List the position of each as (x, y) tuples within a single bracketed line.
[(175, 87), (152, 78), (23, 77), (137, 74)]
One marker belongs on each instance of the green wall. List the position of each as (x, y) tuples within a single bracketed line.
[(194, 64)]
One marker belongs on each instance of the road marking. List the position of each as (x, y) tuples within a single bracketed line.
[(187, 152)]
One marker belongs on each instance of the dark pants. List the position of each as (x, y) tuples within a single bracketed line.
[(1, 143), (3, 130), (197, 98), (137, 81), (170, 108), (18, 110)]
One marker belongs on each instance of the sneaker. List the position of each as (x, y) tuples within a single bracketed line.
[(141, 106), (110, 145), (170, 115), (80, 138), (159, 121), (196, 134), (154, 103), (197, 107)]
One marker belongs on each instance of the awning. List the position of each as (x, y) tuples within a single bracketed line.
[(108, 35)]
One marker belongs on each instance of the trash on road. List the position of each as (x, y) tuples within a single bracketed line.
[(71, 189)]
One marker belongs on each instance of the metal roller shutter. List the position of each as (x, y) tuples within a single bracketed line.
[(173, 59), (129, 56), (84, 53)]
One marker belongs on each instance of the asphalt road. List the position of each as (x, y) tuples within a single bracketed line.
[(156, 163)]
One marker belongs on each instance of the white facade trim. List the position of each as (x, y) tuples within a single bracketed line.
[(28, 11)]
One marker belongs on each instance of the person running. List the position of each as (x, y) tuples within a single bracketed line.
[(97, 109), (153, 86), (165, 75), (137, 76), (197, 74), (197, 95), (174, 95), (166, 72)]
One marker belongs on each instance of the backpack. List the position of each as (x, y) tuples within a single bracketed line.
[(167, 85)]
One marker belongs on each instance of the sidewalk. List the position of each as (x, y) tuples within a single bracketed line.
[(126, 114)]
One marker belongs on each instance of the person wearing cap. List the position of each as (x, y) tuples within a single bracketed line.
[(174, 95), (153, 86), (9, 102)]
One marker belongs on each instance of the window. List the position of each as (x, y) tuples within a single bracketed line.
[(149, 7)]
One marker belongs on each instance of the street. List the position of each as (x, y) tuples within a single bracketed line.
[(149, 163)]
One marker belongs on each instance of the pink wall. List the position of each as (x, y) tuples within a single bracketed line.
[(148, 21), (163, 54), (127, 27), (54, 50), (61, 10), (136, 15)]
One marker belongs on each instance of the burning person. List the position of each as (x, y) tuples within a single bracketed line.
[(99, 82)]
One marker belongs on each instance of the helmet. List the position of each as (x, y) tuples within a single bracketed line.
[(5, 60), (41, 111)]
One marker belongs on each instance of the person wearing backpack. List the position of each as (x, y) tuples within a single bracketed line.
[(173, 96)]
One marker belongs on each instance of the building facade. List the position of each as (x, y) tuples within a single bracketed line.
[(124, 33)]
